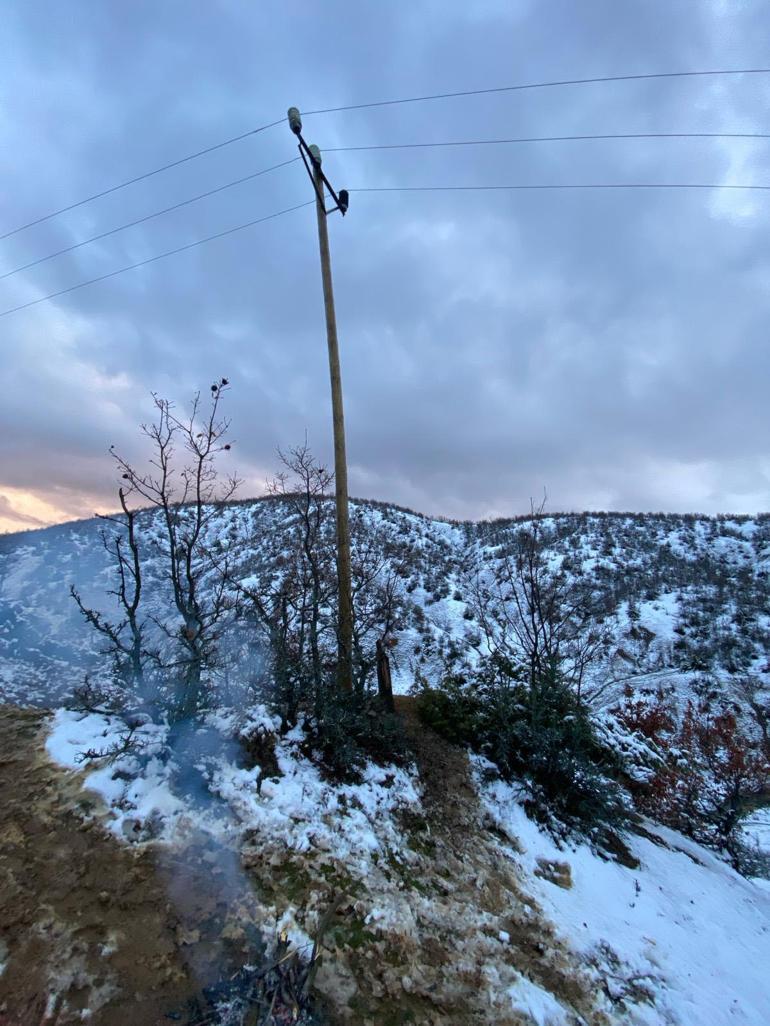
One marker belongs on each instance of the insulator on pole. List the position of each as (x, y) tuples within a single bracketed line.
[(315, 154), (344, 201), (295, 121)]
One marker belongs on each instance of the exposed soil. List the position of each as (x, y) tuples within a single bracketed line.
[(132, 933), (87, 922), (473, 892), (448, 792)]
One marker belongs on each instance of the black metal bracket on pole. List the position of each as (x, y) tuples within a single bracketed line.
[(341, 198)]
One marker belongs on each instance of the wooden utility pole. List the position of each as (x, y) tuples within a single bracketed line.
[(312, 157), (345, 639)]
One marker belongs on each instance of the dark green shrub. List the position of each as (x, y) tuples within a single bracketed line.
[(542, 735), (453, 710), (348, 730)]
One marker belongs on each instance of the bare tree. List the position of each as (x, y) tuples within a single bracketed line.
[(292, 596), (309, 585), (378, 603), (537, 622), (757, 697), (303, 486), (125, 638), (186, 490), (289, 597)]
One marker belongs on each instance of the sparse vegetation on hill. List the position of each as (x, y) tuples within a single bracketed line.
[(589, 682), (677, 603)]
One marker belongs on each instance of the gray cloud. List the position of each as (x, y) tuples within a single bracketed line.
[(608, 346)]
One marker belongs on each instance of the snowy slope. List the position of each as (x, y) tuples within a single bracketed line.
[(683, 595), (572, 938), (683, 927)]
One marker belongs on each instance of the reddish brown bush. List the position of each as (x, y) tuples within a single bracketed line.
[(709, 766), (653, 718)]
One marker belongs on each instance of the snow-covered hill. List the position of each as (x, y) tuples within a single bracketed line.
[(453, 907), (683, 596)]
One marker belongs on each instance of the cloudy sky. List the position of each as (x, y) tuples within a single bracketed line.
[(608, 346)]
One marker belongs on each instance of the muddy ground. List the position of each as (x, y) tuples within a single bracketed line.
[(87, 922), (129, 934)]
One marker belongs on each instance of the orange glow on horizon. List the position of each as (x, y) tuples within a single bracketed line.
[(22, 510)]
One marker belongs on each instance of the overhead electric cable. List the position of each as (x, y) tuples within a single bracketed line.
[(148, 217), (394, 189), (551, 138), (539, 85), (577, 185), (142, 177), (384, 103), (384, 146), (158, 256)]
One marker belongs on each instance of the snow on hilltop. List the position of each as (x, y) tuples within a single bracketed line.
[(683, 594)]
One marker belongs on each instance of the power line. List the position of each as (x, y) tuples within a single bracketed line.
[(158, 256), (142, 177), (540, 85), (551, 138), (392, 188), (381, 103), (580, 185), (148, 217), (385, 146)]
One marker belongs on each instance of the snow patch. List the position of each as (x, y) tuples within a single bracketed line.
[(542, 1007), (297, 808), (684, 926)]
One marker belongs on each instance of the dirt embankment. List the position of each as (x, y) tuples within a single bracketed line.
[(86, 922), (467, 860), (129, 934)]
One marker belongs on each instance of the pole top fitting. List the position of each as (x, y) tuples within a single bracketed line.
[(295, 121), (315, 155)]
